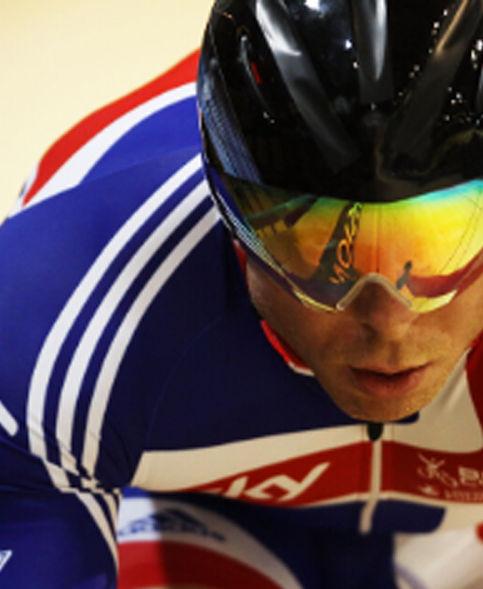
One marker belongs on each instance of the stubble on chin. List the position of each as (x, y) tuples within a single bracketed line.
[(363, 407)]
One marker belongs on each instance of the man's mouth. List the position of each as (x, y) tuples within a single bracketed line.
[(384, 382), (387, 370)]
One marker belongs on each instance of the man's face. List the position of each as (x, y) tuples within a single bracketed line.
[(375, 332)]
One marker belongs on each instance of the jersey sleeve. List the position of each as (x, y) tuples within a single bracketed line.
[(47, 541), (56, 529), (74, 256)]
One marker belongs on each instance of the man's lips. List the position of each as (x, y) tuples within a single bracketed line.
[(383, 382), (385, 370)]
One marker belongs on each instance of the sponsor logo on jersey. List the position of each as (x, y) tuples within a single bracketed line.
[(457, 483), (280, 488), (304, 480), (169, 520), (443, 476)]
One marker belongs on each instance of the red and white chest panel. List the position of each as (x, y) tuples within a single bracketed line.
[(435, 461)]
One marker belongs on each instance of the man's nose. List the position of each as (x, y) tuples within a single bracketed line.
[(381, 313)]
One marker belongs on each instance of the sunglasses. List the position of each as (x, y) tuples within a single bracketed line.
[(423, 249)]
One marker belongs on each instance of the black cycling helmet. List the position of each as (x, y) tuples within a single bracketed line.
[(343, 142)]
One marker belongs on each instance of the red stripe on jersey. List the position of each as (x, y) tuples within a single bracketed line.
[(289, 356), (182, 73), (173, 564), (300, 481), (241, 256)]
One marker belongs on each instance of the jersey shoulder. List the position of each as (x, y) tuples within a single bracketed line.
[(102, 142), (101, 269)]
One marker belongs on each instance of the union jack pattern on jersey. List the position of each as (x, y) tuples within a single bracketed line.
[(126, 329)]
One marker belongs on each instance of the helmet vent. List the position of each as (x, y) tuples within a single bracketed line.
[(479, 95), (370, 18), (477, 63), (425, 104), (254, 77), (301, 81)]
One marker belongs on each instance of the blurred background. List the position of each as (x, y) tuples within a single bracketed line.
[(62, 59)]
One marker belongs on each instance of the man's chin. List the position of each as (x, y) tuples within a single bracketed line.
[(364, 407), (383, 404), (377, 413)]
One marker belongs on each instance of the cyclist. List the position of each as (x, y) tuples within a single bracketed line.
[(276, 382)]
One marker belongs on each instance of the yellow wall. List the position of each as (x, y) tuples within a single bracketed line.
[(61, 59)]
